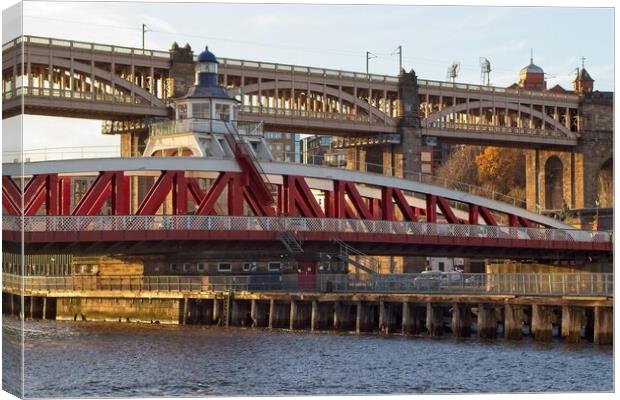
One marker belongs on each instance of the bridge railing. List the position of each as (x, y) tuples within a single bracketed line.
[(78, 45), (510, 130), (292, 224), (61, 153), (536, 284), (70, 94), (206, 125), (281, 112)]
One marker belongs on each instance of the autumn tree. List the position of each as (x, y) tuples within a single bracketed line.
[(503, 170), (460, 166)]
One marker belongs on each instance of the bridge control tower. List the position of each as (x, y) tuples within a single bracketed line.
[(204, 116)]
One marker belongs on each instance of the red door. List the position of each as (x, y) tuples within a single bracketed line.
[(306, 275)]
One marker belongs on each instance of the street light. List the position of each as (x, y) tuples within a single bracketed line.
[(369, 55)]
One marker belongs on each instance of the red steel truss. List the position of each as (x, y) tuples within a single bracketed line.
[(50, 194)]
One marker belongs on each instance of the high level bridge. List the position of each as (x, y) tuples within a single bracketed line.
[(65, 77), (570, 139)]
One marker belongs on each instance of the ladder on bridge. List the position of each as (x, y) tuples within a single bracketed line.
[(226, 305), (351, 255), (290, 242)]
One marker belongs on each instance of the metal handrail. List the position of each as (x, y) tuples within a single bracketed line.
[(537, 284), (40, 223)]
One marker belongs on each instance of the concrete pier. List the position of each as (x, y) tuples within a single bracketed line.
[(240, 314), (414, 318), (461, 320), (542, 322), (390, 317), (344, 317), (279, 314), (301, 314), (434, 319), (217, 311), (603, 325), (259, 313), (573, 318), (365, 318), (513, 321), (322, 315), (486, 322), (361, 313)]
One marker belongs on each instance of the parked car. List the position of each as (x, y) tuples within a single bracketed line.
[(434, 280), (428, 280)]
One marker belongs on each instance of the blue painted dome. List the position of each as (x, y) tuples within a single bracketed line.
[(207, 56)]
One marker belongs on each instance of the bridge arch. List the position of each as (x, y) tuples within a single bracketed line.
[(100, 75), (476, 105), (554, 189), (605, 184), (313, 87)]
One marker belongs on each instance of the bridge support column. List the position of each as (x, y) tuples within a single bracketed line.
[(461, 320), (414, 318), (301, 314), (241, 313), (279, 314), (217, 311), (259, 313), (572, 321), (364, 317), (542, 322), (603, 325), (322, 315), (408, 324), (385, 319), (344, 318), (486, 322), (513, 321), (44, 309), (434, 320)]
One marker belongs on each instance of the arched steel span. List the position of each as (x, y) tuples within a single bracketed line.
[(348, 194)]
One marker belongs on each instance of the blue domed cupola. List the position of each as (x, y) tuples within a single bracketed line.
[(206, 69)]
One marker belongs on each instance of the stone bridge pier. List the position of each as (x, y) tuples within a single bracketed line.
[(581, 177)]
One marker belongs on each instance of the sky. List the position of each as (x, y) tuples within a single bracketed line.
[(337, 37)]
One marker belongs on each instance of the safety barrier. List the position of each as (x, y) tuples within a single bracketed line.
[(289, 224), (538, 284)]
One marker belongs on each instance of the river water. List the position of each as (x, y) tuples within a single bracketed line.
[(88, 359)]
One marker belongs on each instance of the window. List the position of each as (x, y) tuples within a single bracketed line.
[(173, 268), (222, 112), (182, 111), (274, 267), (287, 135), (224, 267), (200, 267), (247, 267), (200, 110), (187, 267), (287, 147), (441, 266)]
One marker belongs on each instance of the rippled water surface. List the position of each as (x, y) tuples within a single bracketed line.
[(72, 359)]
